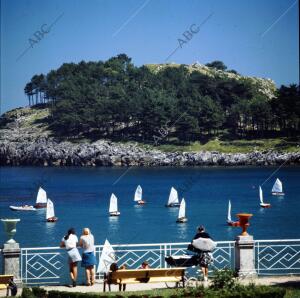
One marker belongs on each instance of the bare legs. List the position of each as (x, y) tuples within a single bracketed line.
[(73, 273), (205, 273), (90, 275)]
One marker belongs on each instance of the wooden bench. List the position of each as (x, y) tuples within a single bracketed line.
[(131, 276), (4, 281)]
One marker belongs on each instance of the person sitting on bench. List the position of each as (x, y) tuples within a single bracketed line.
[(114, 267)]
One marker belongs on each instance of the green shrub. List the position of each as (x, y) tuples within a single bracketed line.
[(39, 292), (238, 291), (55, 294), (223, 279), (27, 293)]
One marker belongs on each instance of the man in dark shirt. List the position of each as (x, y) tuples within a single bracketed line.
[(205, 258), (201, 233)]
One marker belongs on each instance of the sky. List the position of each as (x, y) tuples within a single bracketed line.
[(257, 38)]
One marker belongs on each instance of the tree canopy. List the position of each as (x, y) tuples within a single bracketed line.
[(115, 99)]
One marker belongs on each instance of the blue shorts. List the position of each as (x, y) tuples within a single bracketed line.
[(88, 259)]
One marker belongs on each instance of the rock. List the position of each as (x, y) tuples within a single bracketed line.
[(21, 146)]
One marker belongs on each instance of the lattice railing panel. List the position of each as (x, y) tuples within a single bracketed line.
[(49, 264), (277, 257), (42, 265)]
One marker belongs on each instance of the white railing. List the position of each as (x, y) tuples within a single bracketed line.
[(277, 257), (46, 265)]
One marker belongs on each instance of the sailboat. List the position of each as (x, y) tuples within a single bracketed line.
[(262, 204), (181, 214), (138, 195), (230, 222), (22, 208), (50, 215), (277, 188), (173, 198), (113, 206), (41, 199), (107, 258)]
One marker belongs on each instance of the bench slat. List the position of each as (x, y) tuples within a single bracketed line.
[(4, 280), (151, 279), (145, 273)]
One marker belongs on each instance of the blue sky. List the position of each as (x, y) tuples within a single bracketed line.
[(256, 38)]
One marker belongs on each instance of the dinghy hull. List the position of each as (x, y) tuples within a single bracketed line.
[(114, 213), (265, 205), (182, 220), (22, 208), (173, 205), (278, 193), (40, 205), (52, 219), (233, 223), (141, 202)]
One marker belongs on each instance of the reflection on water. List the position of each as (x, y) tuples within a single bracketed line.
[(262, 210), (231, 231), (182, 229), (138, 208), (114, 226)]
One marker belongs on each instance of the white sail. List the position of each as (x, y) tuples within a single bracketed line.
[(277, 187), (41, 197), (261, 196), (181, 213), (138, 194), (50, 209), (229, 212), (173, 197), (107, 258), (113, 206)]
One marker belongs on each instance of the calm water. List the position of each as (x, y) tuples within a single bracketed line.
[(81, 197)]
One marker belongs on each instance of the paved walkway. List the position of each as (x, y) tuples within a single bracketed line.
[(285, 281)]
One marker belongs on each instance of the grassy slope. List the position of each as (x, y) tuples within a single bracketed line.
[(34, 121), (238, 146)]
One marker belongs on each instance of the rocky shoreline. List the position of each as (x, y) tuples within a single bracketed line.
[(45, 151)]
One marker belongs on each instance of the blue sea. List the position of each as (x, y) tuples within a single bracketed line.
[(81, 198)]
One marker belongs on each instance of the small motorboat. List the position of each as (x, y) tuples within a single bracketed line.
[(22, 208), (277, 188), (113, 206), (173, 199), (262, 203), (230, 222), (138, 196), (41, 199), (181, 214), (50, 215)]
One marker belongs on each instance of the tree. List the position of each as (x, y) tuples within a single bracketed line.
[(260, 111), (115, 99), (217, 64)]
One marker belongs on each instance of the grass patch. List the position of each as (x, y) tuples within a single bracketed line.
[(236, 146), (250, 291)]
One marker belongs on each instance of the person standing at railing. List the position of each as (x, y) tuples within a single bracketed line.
[(70, 242), (88, 256), (205, 257)]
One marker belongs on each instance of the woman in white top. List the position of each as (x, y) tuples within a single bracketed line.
[(70, 242), (88, 256)]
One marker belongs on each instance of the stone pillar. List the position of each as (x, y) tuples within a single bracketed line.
[(244, 256), (11, 260), (11, 250)]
